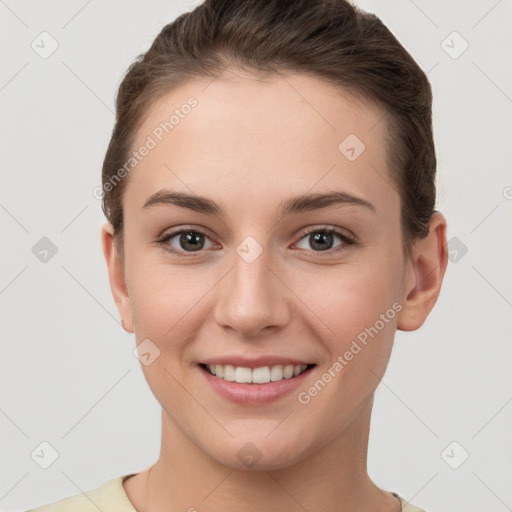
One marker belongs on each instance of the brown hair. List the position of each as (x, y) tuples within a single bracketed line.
[(330, 39)]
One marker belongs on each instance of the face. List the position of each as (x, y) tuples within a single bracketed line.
[(252, 277)]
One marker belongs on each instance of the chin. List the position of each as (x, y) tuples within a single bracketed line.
[(256, 453)]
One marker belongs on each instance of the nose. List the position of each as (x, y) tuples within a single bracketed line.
[(253, 297)]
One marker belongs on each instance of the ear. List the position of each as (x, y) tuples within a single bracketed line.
[(425, 272), (116, 276)]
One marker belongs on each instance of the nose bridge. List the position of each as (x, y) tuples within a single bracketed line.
[(251, 298)]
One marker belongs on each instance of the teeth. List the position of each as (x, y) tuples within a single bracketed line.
[(261, 375), (288, 371), (276, 373), (243, 375), (229, 372)]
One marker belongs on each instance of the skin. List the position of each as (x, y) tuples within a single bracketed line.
[(248, 145)]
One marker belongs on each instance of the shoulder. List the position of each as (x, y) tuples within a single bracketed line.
[(406, 505), (108, 497)]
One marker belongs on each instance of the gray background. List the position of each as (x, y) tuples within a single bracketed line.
[(68, 375)]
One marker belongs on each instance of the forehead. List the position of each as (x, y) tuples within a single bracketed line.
[(285, 130), (293, 102)]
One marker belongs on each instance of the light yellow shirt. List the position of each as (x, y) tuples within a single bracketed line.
[(111, 497)]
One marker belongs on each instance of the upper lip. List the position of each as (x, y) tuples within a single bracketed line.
[(254, 362)]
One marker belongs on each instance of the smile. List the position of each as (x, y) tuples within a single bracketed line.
[(261, 375)]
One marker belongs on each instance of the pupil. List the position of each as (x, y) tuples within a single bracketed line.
[(192, 240), (318, 238)]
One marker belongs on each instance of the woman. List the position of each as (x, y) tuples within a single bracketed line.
[(270, 190)]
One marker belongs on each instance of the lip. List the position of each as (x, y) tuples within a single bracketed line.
[(255, 362), (254, 394)]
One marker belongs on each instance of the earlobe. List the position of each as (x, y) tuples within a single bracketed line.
[(427, 269), (116, 275)]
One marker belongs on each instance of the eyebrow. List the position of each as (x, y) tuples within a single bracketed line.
[(294, 205)]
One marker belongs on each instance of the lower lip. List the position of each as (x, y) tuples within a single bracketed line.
[(254, 394)]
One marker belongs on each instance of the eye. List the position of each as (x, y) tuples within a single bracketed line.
[(322, 239), (185, 241)]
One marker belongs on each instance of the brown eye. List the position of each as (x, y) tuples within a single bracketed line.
[(191, 241), (320, 240), (185, 241)]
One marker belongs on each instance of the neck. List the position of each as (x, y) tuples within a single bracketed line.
[(333, 477)]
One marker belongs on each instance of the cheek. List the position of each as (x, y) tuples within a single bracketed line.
[(165, 303), (349, 298), (166, 299), (356, 310)]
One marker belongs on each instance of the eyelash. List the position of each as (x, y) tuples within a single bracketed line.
[(346, 239)]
